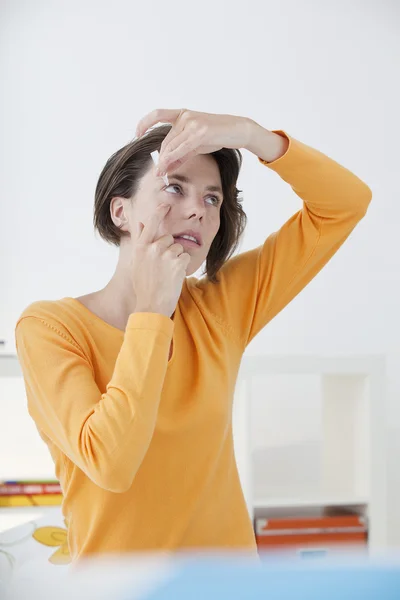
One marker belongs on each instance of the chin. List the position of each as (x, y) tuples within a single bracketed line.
[(191, 271), (193, 268)]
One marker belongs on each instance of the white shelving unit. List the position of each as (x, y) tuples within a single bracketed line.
[(9, 366), (352, 449), (23, 455)]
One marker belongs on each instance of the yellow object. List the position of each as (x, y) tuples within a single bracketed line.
[(143, 445), (55, 537), (34, 500)]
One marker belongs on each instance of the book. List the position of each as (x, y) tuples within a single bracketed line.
[(29, 488), (278, 533), (31, 500)]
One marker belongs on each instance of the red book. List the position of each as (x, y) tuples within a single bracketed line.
[(29, 489)]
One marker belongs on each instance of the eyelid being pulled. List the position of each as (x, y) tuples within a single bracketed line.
[(217, 198), (172, 185)]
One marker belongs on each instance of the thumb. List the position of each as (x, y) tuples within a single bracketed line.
[(139, 228)]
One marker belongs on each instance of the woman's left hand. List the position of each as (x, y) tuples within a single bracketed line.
[(195, 133)]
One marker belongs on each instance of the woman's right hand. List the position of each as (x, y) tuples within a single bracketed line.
[(158, 266)]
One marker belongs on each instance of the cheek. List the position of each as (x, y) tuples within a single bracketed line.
[(214, 225), (143, 207), (170, 224)]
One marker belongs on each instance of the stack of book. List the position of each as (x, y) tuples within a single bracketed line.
[(30, 493), (311, 534)]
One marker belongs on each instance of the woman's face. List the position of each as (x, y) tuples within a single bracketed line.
[(195, 195)]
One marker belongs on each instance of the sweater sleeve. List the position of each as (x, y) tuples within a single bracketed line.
[(105, 435), (256, 285)]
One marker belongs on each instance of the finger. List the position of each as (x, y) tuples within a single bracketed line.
[(184, 259), (176, 129), (178, 151), (139, 229), (150, 229), (172, 141), (163, 243), (160, 115), (176, 249), (178, 163)]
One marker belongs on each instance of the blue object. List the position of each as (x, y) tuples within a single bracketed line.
[(199, 580)]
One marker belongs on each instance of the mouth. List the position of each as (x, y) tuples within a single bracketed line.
[(189, 238)]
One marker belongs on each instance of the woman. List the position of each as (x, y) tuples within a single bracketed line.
[(131, 387)]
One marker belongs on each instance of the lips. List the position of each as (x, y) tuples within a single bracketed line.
[(189, 236)]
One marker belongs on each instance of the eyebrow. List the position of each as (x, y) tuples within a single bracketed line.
[(184, 179)]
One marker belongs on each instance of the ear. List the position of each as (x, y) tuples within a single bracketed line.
[(119, 214)]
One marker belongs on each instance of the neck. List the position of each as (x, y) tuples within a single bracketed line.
[(117, 299)]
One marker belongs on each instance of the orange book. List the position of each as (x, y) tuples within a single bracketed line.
[(326, 531)]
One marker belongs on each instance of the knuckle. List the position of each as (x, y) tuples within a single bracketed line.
[(203, 130)]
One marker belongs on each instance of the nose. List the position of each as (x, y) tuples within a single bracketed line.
[(195, 207)]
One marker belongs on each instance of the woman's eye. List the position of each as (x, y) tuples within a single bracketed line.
[(173, 186), (214, 200)]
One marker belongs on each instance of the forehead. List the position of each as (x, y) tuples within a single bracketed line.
[(201, 170), (202, 166)]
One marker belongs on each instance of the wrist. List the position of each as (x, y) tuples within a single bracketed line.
[(265, 144), (151, 310)]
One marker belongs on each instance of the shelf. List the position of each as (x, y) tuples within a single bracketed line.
[(309, 502), (9, 365), (347, 471), (310, 364)]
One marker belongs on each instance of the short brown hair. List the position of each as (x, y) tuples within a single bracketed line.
[(123, 171)]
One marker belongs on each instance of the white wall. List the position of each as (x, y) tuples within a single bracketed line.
[(77, 76)]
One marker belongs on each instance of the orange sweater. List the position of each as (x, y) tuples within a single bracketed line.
[(143, 445)]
